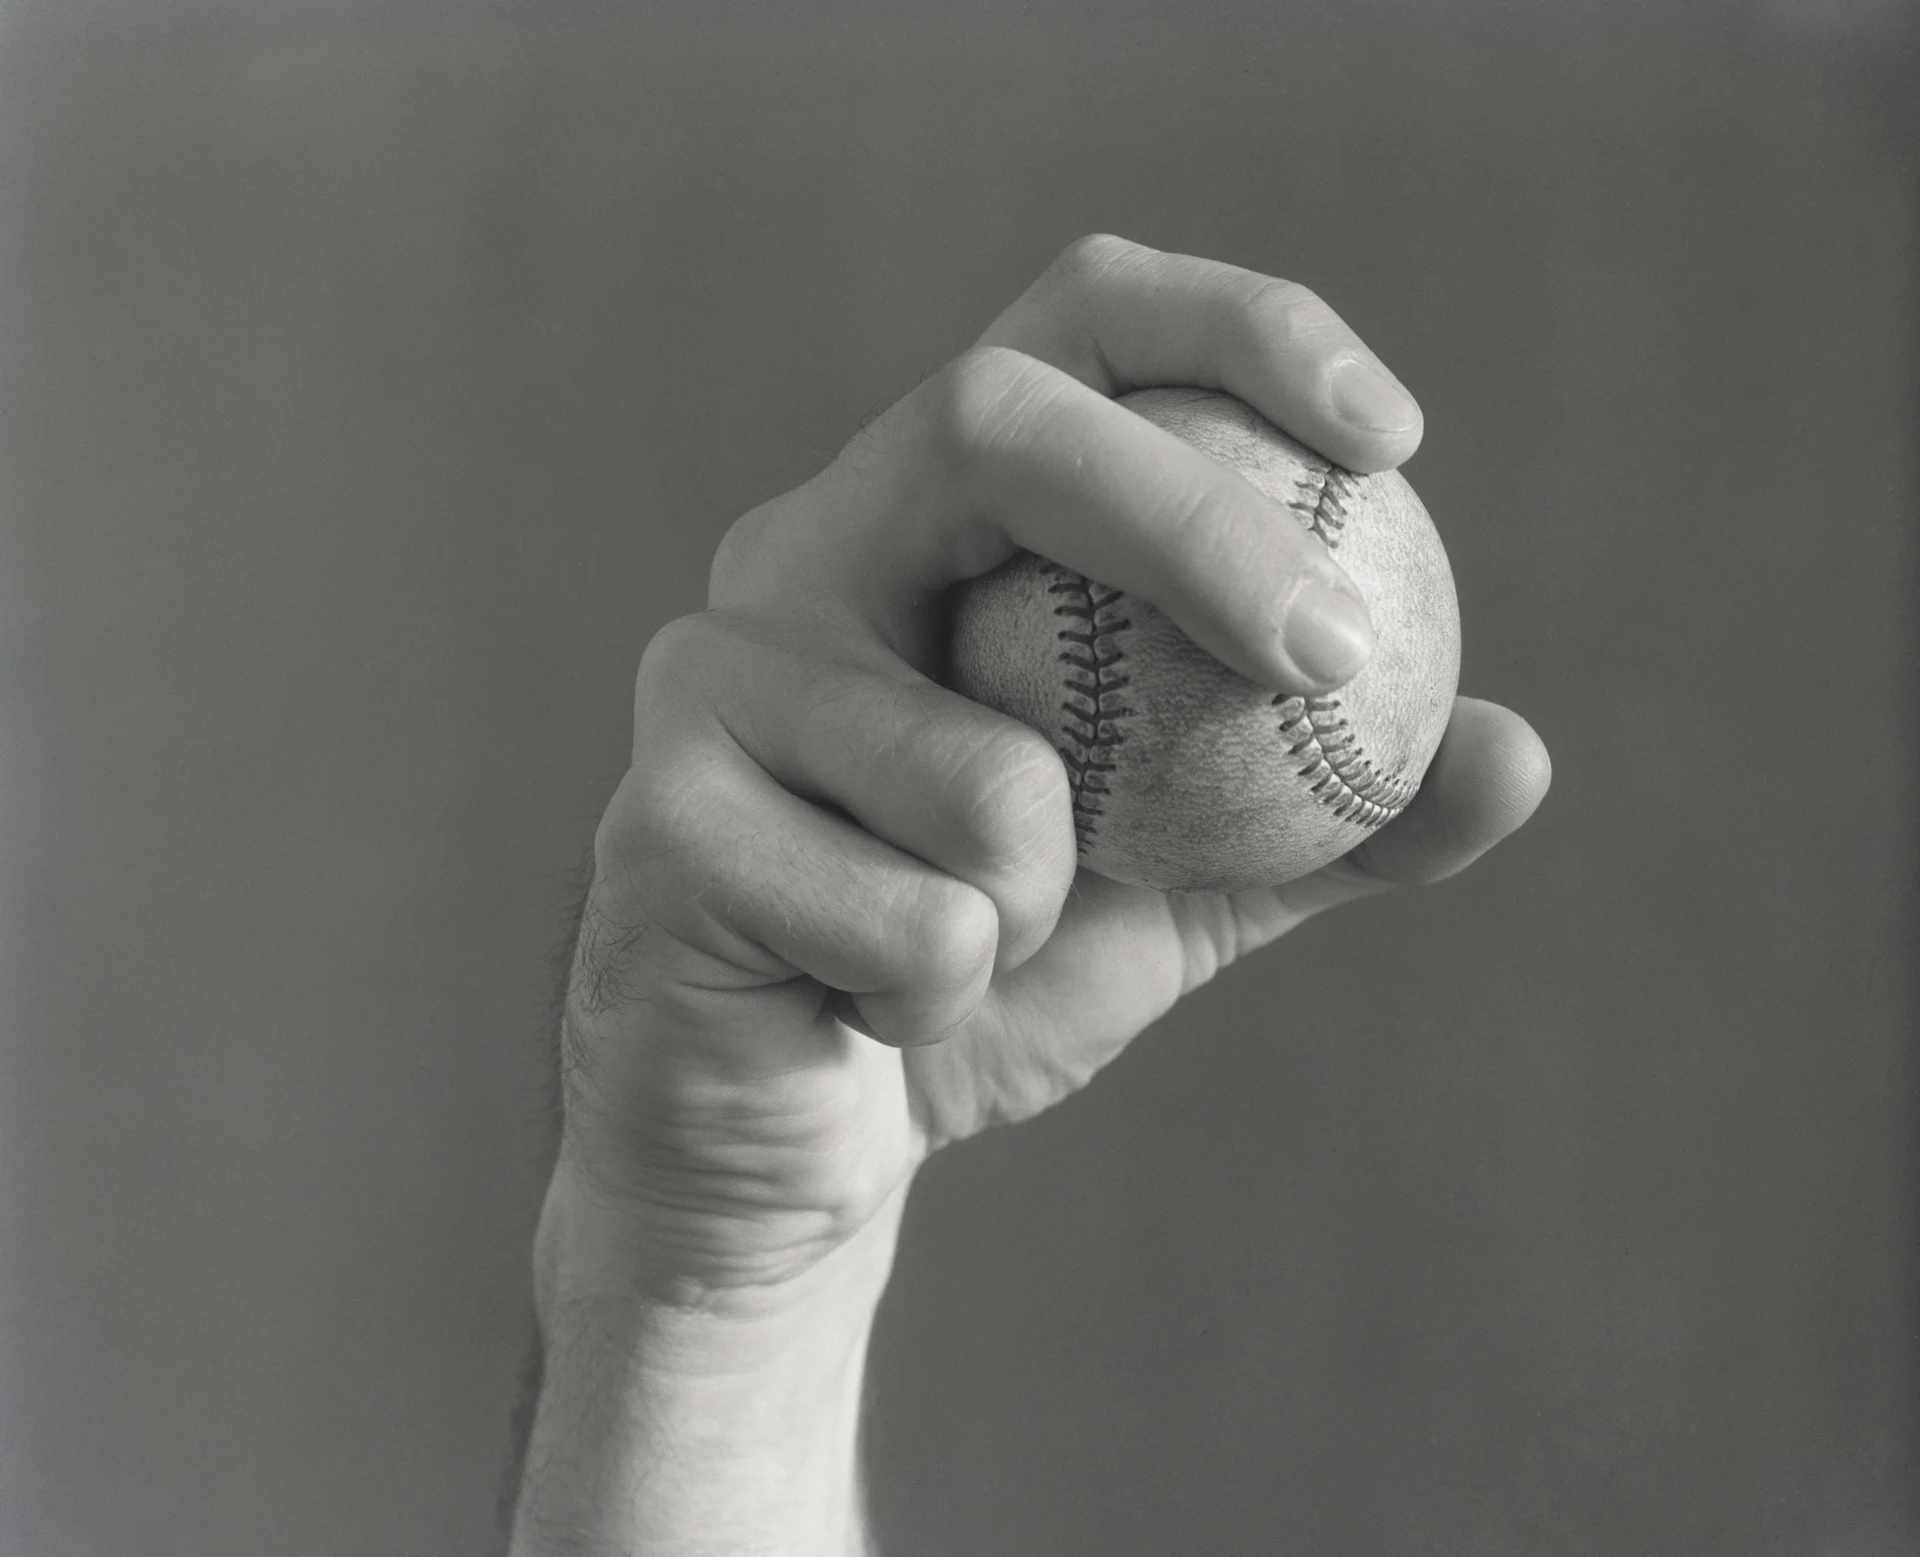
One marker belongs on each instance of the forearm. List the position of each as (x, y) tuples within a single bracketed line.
[(694, 1428)]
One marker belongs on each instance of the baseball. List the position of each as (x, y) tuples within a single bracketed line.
[(1185, 776)]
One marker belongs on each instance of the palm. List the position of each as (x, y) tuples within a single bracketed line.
[(1118, 961)]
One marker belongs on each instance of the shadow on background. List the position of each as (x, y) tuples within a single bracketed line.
[(373, 391)]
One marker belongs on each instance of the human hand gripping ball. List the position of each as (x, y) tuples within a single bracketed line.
[(1187, 776), (839, 916)]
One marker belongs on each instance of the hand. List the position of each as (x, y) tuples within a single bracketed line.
[(809, 812)]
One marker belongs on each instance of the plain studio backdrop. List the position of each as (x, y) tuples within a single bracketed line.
[(377, 380)]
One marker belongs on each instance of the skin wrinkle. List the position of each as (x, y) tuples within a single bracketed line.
[(870, 723), (995, 411), (1283, 316), (1083, 271), (1014, 792)]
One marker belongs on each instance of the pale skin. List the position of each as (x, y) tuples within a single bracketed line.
[(835, 921)]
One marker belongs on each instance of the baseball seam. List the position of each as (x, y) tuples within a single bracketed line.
[(1091, 712), (1338, 773), (1322, 506)]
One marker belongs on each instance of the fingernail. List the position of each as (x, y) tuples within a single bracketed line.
[(1326, 633), (1366, 398)]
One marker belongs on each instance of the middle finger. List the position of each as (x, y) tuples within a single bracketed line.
[(1001, 452)]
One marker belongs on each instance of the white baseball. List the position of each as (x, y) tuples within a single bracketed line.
[(1186, 776)]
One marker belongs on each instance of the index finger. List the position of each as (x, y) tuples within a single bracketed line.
[(1000, 453), (1119, 316)]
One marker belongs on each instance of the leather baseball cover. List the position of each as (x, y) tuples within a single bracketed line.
[(1186, 776)]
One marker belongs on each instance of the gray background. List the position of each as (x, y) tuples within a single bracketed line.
[(373, 389)]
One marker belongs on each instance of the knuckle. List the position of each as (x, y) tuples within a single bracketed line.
[(736, 559), (653, 820), (644, 849), (673, 662), (848, 722), (1285, 310), (984, 399), (675, 644), (1197, 522), (1231, 556), (1083, 263), (951, 934), (1015, 802), (666, 795)]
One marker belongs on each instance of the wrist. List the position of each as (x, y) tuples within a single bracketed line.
[(679, 1418), (647, 1251)]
